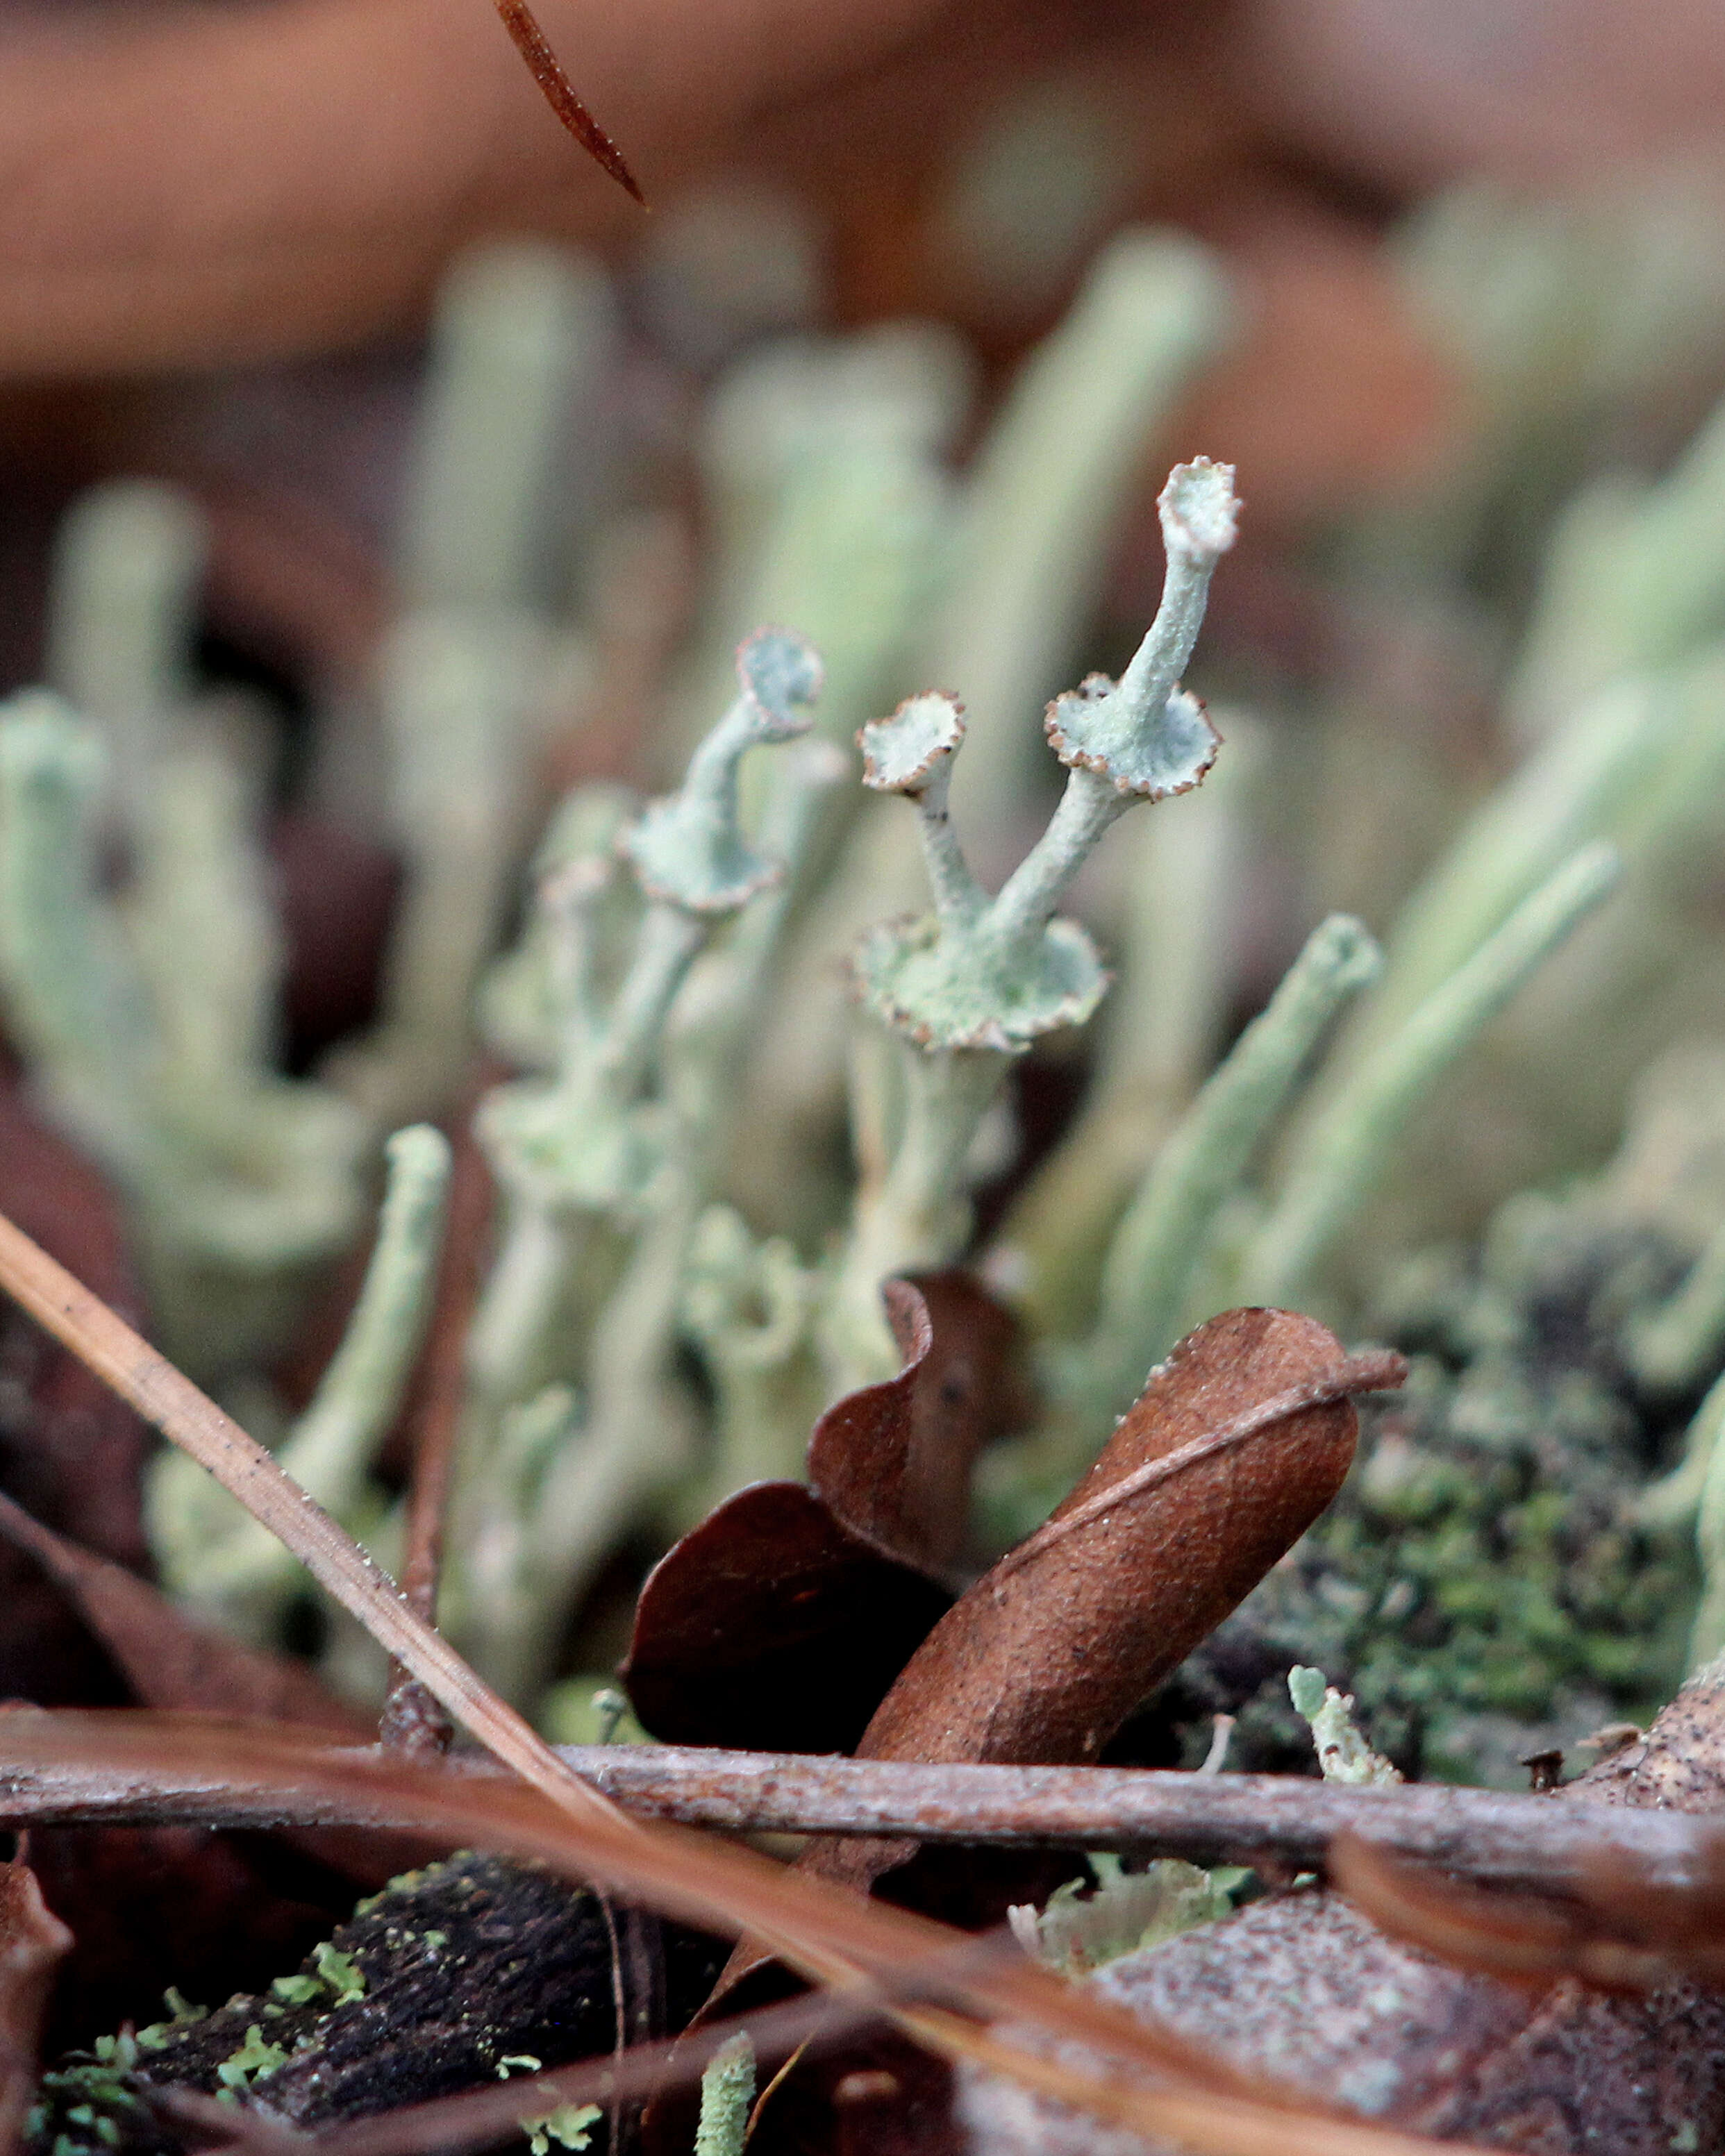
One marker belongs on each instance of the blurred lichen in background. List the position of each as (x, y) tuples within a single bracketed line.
[(1389, 984)]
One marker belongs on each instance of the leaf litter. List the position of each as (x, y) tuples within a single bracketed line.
[(829, 1935), (867, 1949)]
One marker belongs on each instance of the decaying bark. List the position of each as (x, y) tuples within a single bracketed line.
[(450, 1973)]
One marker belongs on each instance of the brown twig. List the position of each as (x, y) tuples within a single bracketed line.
[(1483, 1835), (1128, 2071), (413, 1720), (534, 47)]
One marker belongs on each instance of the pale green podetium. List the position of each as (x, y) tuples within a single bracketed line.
[(727, 2094), (966, 989), (576, 1425), (1343, 1755)]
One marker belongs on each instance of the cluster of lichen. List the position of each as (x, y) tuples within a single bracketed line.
[(706, 1162)]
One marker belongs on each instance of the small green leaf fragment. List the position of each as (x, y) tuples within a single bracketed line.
[(252, 2061), (340, 1971), (571, 2126)]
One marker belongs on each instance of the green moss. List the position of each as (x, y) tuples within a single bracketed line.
[(1483, 1586)]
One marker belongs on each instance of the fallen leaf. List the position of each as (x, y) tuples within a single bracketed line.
[(1237, 1443), (33, 1943), (894, 1460), (169, 1659), (771, 1627), (69, 1451), (780, 1622)]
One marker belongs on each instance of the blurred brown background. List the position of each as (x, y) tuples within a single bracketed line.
[(222, 223)]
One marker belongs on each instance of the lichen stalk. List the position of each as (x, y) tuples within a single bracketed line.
[(1342, 1156), (727, 2091), (1156, 1247), (215, 1554)]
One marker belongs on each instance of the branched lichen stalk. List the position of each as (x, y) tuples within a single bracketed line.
[(606, 1167), (1173, 880), (1048, 489), (970, 987)]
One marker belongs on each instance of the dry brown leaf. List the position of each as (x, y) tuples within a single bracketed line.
[(771, 1628), (780, 1622), (894, 1460), (169, 1659), (1237, 1443)]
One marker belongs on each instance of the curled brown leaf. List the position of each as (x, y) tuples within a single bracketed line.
[(780, 1622), (1238, 1442), (771, 1627), (894, 1460)]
